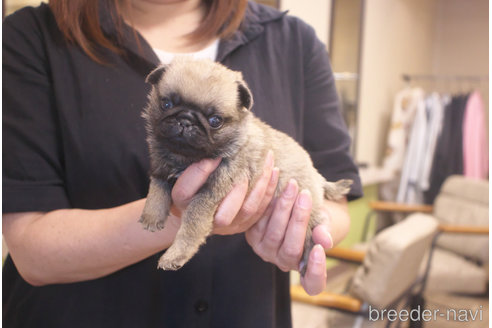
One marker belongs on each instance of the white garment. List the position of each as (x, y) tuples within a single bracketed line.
[(426, 129), (210, 52), (404, 109), (435, 105), (409, 189)]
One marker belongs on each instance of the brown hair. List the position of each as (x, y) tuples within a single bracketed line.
[(78, 20)]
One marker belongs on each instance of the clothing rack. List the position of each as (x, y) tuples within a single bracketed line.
[(433, 77)]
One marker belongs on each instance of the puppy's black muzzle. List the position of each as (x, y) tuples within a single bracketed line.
[(186, 118)]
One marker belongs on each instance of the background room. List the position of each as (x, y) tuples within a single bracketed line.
[(413, 82), (389, 57)]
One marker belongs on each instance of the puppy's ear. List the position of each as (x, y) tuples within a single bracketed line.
[(245, 97), (155, 76)]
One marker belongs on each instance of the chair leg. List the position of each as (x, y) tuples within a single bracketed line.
[(367, 221), (417, 303), (358, 322)]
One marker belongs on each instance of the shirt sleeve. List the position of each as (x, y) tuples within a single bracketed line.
[(32, 148), (325, 135)]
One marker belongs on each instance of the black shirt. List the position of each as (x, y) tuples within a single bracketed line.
[(73, 138), (448, 157)]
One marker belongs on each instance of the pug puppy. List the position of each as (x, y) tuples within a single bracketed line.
[(200, 109)]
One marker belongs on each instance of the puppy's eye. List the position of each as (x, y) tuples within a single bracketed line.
[(215, 121), (167, 103)]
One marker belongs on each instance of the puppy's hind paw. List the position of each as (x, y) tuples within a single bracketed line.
[(343, 186), (302, 267), (151, 224), (172, 264), (336, 190)]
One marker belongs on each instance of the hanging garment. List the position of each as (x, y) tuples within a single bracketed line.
[(435, 105), (448, 157), (404, 109), (475, 146), (409, 188)]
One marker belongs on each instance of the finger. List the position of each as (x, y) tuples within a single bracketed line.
[(254, 235), (314, 281), (265, 202), (270, 192), (322, 236), (290, 252), (231, 204), (252, 202), (275, 231), (191, 180)]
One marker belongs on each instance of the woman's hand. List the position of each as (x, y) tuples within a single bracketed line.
[(275, 228), (239, 210), (278, 237)]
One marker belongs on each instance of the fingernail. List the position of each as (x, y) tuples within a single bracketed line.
[(318, 254), (304, 199), (328, 241), (269, 160), (209, 164), (275, 174), (290, 190)]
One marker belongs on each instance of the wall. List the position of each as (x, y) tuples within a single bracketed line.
[(420, 36), (13, 5), (397, 39), (317, 14), (461, 37), (346, 35), (462, 42)]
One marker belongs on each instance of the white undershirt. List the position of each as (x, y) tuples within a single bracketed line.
[(210, 52)]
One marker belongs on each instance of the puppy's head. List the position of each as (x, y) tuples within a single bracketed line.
[(196, 108)]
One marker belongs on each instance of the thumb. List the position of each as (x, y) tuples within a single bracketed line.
[(191, 180)]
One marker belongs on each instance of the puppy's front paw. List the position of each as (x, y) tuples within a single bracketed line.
[(151, 223)]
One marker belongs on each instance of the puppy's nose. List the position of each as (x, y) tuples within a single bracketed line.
[(186, 118)]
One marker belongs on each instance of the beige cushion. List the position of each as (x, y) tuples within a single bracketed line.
[(452, 273), (475, 190), (464, 201), (392, 262)]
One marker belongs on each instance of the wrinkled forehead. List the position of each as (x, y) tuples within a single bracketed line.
[(203, 84)]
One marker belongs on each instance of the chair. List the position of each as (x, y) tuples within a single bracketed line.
[(459, 258), (388, 274)]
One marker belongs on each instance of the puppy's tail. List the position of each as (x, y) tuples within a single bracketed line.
[(336, 190)]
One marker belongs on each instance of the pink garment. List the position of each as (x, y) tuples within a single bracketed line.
[(475, 145)]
